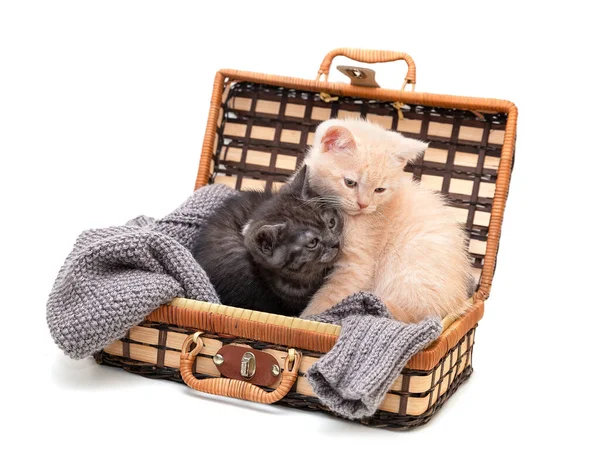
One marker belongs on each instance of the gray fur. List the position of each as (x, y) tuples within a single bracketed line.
[(258, 248)]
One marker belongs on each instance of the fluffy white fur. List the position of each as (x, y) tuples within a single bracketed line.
[(403, 243)]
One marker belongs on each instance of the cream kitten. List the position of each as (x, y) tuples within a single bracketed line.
[(400, 240)]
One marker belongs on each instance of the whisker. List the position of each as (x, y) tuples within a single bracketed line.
[(324, 200), (380, 216)]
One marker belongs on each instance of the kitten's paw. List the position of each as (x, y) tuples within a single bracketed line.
[(318, 305), (310, 311)]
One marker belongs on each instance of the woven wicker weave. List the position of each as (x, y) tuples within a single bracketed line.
[(258, 129)]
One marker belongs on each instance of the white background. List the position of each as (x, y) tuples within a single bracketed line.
[(102, 113)]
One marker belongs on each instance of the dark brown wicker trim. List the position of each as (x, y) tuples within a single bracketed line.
[(162, 345), (242, 168), (407, 97), (126, 352), (404, 397)]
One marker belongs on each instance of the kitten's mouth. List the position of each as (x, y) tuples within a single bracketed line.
[(359, 212), (331, 254), (354, 212)]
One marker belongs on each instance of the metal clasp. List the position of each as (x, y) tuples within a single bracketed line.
[(248, 367)]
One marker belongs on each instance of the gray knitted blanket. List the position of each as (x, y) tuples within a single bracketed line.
[(354, 376), (114, 277)]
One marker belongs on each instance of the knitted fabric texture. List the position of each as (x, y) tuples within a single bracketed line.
[(354, 376), (114, 277)]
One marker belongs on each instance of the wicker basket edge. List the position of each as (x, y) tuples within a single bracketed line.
[(221, 323)]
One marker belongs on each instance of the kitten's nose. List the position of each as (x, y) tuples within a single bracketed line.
[(362, 206)]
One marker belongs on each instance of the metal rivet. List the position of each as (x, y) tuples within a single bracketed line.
[(275, 369), (218, 359), (357, 73)]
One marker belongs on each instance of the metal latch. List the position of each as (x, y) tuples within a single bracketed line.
[(243, 363), (359, 76), (248, 367)]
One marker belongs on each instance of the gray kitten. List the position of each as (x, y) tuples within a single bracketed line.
[(270, 252)]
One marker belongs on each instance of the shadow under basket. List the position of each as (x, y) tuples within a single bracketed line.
[(259, 127)]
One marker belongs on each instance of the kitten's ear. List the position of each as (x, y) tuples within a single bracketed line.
[(266, 237), (408, 149), (299, 185), (338, 138)]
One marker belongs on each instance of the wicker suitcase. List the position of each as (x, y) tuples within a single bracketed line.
[(258, 129)]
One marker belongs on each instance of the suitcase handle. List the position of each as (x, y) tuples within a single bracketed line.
[(236, 388), (371, 56)]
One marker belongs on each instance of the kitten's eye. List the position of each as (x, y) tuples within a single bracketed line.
[(379, 190), (312, 244), (349, 182), (332, 223)]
